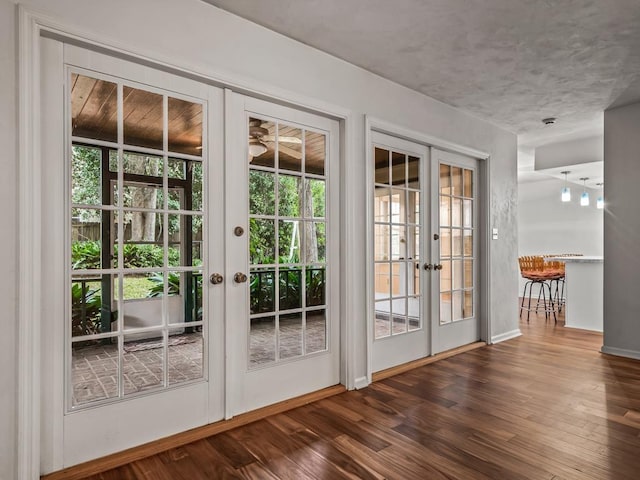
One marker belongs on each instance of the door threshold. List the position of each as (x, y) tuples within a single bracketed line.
[(405, 367), (102, 464)]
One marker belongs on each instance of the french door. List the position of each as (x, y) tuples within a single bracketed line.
[(425, 251), (189, 237)]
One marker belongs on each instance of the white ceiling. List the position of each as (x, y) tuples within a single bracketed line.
[(511, 62)]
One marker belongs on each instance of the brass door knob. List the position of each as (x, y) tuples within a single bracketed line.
[(428, 266), (240, 277), (437, 267), (216, 278)]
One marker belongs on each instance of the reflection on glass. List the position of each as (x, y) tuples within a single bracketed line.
[(445, 180), (179, 305), (445, 276), (289, 148), (382, 280), (143, 362), (262, 291), (185, 357), (457, 274), (140, 196), (398, 276), (262, 341), (467, 215), (398, 242), (142, 164), (416, 279), (468, 243), (445, 211), (456, 180), (315, 198), (445, 308), (468, 304), (142, 115), (86, 168), (414, 313), (315, 286), (86, 305), (289, 241), (398, 202), (142, 306), (262, 245), (382, 244), (457, 305), (399, 311), (398, 169), (468, 183), (290, 288), (445, 242), (289, 198), (175, 199), (262, 196), (316, 331), (456, 212), (177, 169), (381, 159), (382, 205), (185, 126), (413, 244), (457, 242), (468, 274), (290, 328), (413, 175), (413, 211), (94, 108), (383, 315), (315, 152), (88, 383)]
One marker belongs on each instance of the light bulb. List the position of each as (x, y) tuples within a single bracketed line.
[(566, 194), (584, 199)]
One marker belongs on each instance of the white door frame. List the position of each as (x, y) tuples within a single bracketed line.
[(31, 26), (378, 125)]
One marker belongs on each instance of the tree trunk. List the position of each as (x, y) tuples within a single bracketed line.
[(143, 224)]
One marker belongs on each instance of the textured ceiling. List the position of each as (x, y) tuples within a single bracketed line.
[(511, 62)]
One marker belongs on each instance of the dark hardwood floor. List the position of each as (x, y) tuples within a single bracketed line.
[(546, 405)]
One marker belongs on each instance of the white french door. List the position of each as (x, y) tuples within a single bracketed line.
[(190, 251), (285, 198), (455, 222), (425, 251), (401, 299)]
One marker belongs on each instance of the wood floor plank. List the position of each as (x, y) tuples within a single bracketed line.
[(544, 406)]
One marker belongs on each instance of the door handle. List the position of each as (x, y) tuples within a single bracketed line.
[(216, 278), (437, 267), (240, 277), (428, 266)]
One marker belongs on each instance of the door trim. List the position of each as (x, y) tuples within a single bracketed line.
[(371, 124)]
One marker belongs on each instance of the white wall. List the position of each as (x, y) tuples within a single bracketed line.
[(8, 244), (547, 225), (622, 227), (213, 43)]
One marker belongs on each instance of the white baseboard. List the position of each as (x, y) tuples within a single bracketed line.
[(361, 382), (621, 352), (506, 336)]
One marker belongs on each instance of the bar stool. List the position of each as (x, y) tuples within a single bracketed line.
[(532, 268)]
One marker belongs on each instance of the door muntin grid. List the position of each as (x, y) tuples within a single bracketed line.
[(397, 235), (136, 222), (288, 232), (457, 230)]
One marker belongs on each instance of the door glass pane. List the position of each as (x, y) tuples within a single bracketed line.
[(261, 241), (315, 331), (445, 308), (94, 108), (142, 114), (413, 172), (289, 241), (468, 243), (195, 174), (315, 152), (467, 215), (290, 289), (382, 318), (399, 311), (289, 148), (445, 242), (413, 309), (468, 183), (316, 193), (291, 331), (457, 305), (315, 242), (382, 280), (457, 274), (143, 362), (87, 315), (456, 181), (381, 159), (261, 143), (262, 341), (289, 196), (185, 356), (94, 371), (382, 204), (382, 242), (445, 211), (445, 276), (456, 212), (86, 235), (262, 291), (262, 197), (398, 169), (457, 242), (86, 175), (445, 180), (315, 286), (185, 126), (468, 304), (468, 274)]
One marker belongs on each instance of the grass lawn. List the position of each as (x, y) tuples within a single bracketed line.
[(134, 287)]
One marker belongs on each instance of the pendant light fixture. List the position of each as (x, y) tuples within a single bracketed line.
[(600, 199), (584, 198), (566, 191)]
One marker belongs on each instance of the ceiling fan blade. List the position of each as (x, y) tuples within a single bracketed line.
[(272, 138)]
